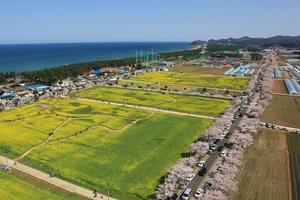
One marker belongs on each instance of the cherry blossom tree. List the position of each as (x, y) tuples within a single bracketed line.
[(214, 195), (199, 148)]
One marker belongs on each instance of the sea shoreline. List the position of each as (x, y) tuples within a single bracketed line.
[(32, 57)]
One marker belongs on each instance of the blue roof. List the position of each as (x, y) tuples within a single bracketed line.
[(5, 166), (38, 87), (6, 95)]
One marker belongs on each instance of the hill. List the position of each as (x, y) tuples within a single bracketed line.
[(285, 41)]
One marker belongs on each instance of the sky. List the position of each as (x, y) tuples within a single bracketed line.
[(56, 21)]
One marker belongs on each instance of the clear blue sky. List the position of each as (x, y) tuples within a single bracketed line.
[(47, 21)]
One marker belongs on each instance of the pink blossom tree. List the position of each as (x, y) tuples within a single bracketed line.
[(199, 148), (214, 195)]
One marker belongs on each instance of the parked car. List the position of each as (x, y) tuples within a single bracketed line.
[(294, 131), (228, 135), (223, 153), (186, 194), (213, 147), (210, 152), (222, 136), (198, 193), (217, 141), (201, 163), (283, 129), (229, 145), (202, 172), (268, 125), (274, 126), (183, 185), (227, 127), (190, 177), (235, 116), (225, 131)]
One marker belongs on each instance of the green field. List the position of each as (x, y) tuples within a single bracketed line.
[(182, 103), (294, 150), (119, 147), (15, 186), (22, 128), (186, 79)]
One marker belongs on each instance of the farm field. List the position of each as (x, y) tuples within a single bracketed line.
[(130, 161), (198, 70), (196, 80), (40, 119), (294, 150), (182, 103), (264, 173), (15, 187), (283, 110), (279, 87)]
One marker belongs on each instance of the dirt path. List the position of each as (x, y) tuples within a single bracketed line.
[(123, 128), (148, 108), (45, 142)]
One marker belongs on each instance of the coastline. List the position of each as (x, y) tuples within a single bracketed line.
[(32, 57)]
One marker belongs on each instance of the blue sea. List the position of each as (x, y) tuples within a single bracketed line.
[(29, 57)]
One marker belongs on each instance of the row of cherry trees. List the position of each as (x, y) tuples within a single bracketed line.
[(226, 180)]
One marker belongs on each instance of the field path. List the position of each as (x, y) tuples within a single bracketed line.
[(148, 108), (53, 181), (123, 128), (45, 142)]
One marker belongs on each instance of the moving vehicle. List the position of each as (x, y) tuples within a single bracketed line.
[(202, 172)]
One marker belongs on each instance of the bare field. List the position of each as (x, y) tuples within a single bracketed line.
[(283, 111), (285, 75), (279, 87), (198, 70), (264, 174)]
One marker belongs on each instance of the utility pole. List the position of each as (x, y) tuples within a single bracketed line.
[(6, 152)]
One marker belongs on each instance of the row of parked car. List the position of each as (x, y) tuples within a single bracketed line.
[(273, 126), (203, 170)]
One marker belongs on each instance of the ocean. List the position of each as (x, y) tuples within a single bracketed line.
[(30, 57)]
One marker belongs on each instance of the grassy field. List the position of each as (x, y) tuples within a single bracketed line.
[(16, 186), (183, 103), (129, 161), (43, 117), (264, 174), (233, 83), (283, 110), (198, 70)]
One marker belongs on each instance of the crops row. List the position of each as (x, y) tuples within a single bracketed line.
[(181, 103), (295, 177), (185, 79), (294, 150)]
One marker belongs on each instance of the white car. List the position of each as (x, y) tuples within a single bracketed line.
[(223, 153), (225, 131), (201, 163), (190, 177), (222, 136), (198, 193), (227, 127), (213, 147)]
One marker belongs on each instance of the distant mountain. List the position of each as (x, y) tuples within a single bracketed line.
[(285, 41), (197, 42)]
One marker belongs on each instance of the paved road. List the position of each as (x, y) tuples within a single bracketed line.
[(52, 181), (197, 181)]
